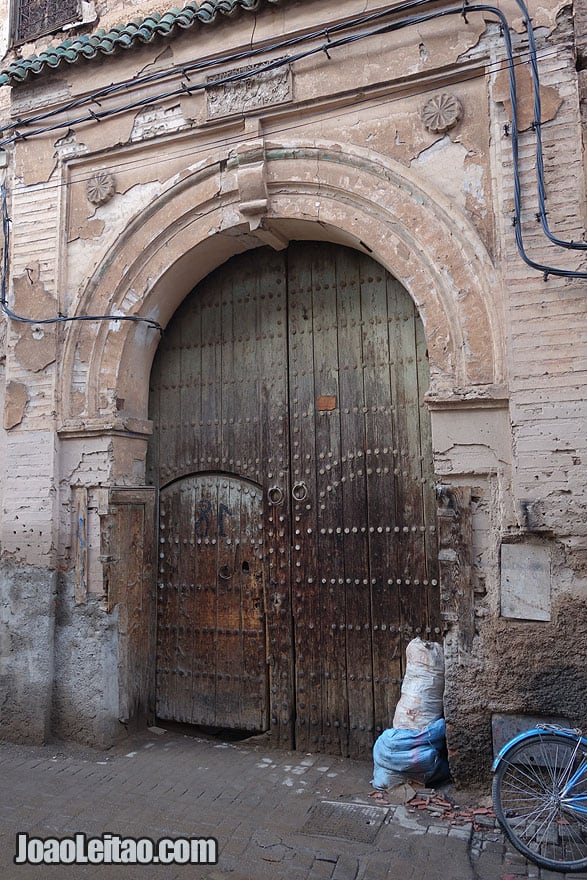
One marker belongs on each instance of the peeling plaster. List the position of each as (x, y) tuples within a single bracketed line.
[(36, 346), (93, 467), (29, 289), (162, 61), (14, 404), (549, 97), (474, 458), (437, 45), (444, 164), (69, 147), (542, 16), (35, 163), (157, 120), (93, 229), (437, 147), (475, 201), (85, 253)]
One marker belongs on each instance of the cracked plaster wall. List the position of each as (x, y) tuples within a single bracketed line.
[(91, 237), (529, 456), (85, 695), (27, 611)]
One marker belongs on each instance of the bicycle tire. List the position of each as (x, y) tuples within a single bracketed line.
[(526, 792)]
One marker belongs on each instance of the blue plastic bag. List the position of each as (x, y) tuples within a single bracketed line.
[(419, 754)]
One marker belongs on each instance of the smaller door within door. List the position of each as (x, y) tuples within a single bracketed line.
[(211, 657)]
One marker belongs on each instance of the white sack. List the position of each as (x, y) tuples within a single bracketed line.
[(420, 702)]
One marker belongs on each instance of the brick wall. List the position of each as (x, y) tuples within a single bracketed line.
[(547, 324)]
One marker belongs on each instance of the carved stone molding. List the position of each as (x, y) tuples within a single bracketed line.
[(101, 187), (252, 183), (442, 112), (251, 178)]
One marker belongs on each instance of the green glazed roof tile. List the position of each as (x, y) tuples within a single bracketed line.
[(134, 33)]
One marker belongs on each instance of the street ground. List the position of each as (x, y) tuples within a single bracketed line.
[(275, 815)]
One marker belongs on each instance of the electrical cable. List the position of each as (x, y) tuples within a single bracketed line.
[(537, 128), (250, 53), (217, 61), (97, 116), (237, 76), (230, 139)]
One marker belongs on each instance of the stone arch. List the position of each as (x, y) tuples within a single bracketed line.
[(314, 191)]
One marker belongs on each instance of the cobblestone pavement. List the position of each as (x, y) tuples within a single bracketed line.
[(278, 815)]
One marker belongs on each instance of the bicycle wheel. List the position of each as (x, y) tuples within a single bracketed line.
[(537, 813)]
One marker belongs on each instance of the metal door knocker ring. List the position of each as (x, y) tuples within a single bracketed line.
[(299, 492), (275, 495), (224, 573)]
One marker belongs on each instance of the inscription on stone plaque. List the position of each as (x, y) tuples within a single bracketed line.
[(254, 91)]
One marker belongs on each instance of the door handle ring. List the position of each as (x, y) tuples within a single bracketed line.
[(299, 491), (275, 495)]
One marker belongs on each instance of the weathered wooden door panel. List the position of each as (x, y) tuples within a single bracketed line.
[(302, 372), (377, 299), (129, 577), (219, 404), (211, 663), (305, 604), (357, 378)]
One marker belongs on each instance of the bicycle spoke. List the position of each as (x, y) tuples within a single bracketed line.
[(529, 776), (541, 800), (579, 840)]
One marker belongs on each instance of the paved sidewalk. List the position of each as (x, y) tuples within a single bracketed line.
[(278, 815)]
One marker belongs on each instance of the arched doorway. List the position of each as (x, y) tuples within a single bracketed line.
[(292, 449)]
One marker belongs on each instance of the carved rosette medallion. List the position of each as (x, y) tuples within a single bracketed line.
[(442, 112), (101, 187)]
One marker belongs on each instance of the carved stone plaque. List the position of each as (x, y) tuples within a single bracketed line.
[(252, 92)]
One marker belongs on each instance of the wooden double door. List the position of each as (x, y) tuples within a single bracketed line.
[(297, 544)]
